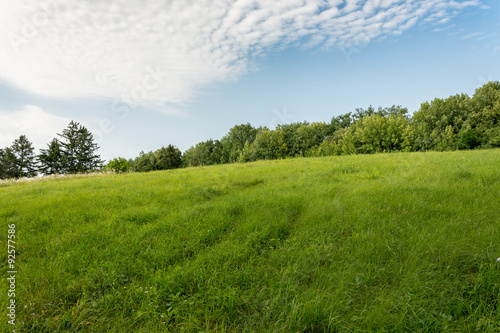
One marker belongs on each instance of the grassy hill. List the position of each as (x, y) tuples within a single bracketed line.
[(389, 242)]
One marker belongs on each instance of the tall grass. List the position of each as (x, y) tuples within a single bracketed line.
[(386, 243)]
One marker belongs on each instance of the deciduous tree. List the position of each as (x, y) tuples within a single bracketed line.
[(118, 165), (168, 158)]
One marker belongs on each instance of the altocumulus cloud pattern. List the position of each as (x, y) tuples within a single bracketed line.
[(104, 49)]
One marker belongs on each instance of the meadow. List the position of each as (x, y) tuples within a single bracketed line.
[(404, 242)]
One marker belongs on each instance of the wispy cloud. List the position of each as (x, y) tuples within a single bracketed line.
[(40, 126), (472, 35), (107, 49)]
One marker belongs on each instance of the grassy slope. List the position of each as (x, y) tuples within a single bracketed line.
[(391, 242)]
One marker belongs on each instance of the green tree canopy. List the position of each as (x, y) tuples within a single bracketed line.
[(168, 158), (234, 141), (145, 162), (118, 165)]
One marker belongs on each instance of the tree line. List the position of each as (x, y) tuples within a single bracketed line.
[(73, 152), (456, 122)]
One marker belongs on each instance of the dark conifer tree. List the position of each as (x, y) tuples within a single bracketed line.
[(24, 161), (51, 159), (7, 164), (79, 149)]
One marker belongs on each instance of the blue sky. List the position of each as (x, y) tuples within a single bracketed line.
[(180, 72)]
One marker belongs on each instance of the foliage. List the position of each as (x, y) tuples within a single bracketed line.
[(18, 160), (382, 134), (267, 145), (308, 136), (440, 121), (234, 141), (493, 137), (204, 153), (145, 162), (168, 158), (162, 159), (8, 162), (118, 165), (51, 159), (78, 147), (75, 153), (23, 151), (485, 106)]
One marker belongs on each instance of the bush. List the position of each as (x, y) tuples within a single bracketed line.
[(118, 165)]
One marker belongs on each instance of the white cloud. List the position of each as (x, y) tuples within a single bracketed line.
[(472, 35), (39, 126), (106, 49)]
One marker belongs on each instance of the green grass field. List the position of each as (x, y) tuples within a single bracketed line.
[(367, 243)]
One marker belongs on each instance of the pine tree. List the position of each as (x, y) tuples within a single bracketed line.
[(24, 162), (51, 159), (2, 166), (7, 163), (79, 149), (69, 143)]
